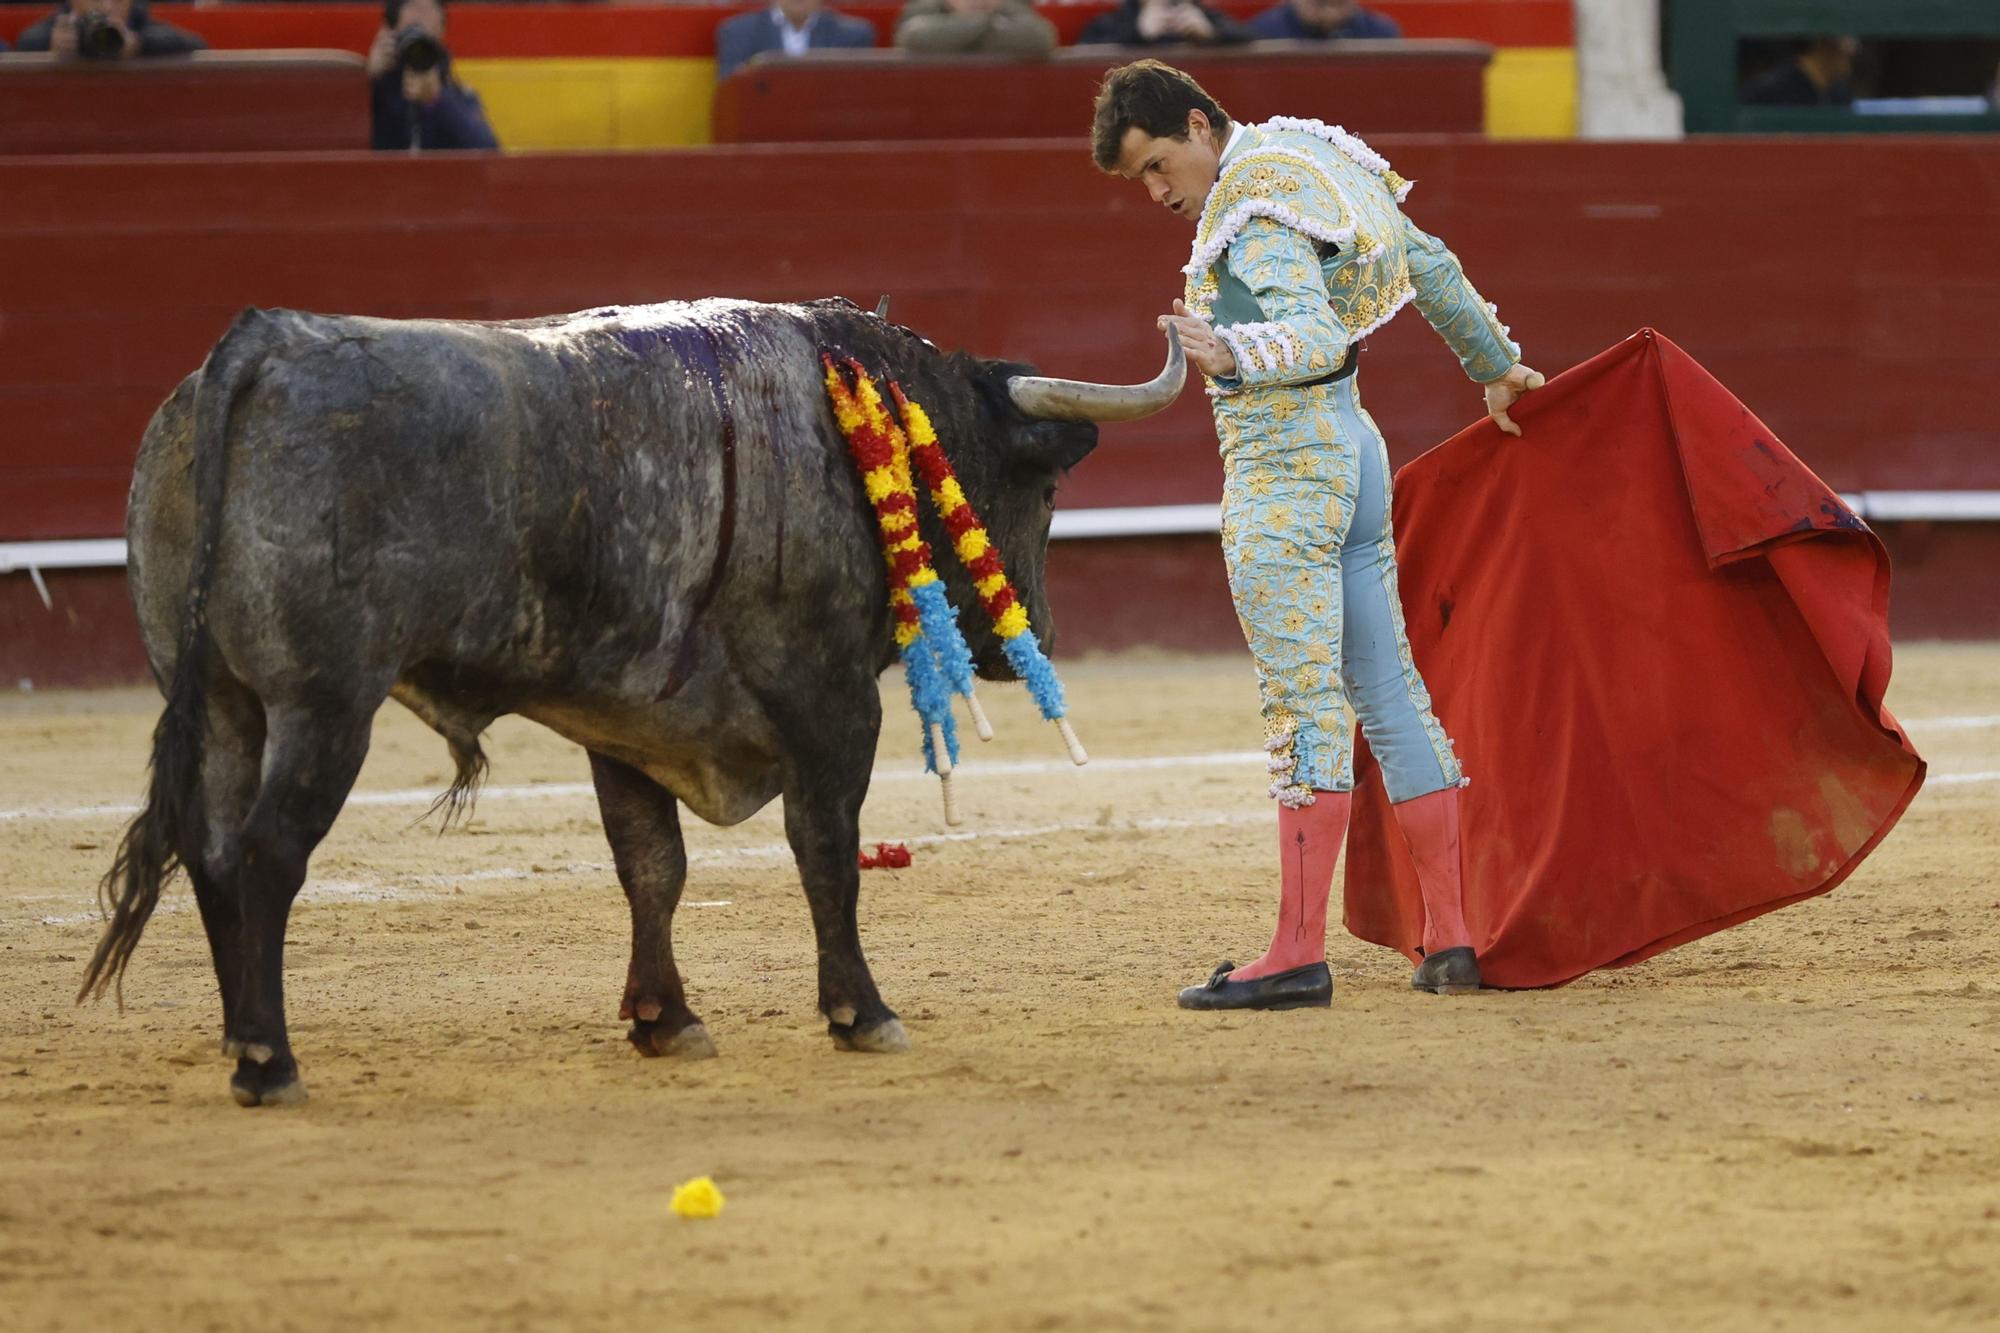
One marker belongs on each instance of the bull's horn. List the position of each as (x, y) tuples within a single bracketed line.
[(882, 307), (1080, 400)]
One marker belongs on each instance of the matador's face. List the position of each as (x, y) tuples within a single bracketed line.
[(1177, 171)]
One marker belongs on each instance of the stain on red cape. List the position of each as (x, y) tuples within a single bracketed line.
[(1660, 643)]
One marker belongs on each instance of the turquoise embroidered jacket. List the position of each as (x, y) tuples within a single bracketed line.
[(1302, 250)]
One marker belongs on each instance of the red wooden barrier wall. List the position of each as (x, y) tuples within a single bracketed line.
[(1844, 288), (1834, 284), (209, 102)]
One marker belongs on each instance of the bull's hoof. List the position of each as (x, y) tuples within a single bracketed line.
[(271, 1081), (689, 1043), (884, 1038)]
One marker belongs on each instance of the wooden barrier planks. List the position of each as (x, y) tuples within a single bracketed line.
[(1816, 279), (209, 102), (1371, 87)]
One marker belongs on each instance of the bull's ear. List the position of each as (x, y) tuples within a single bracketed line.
[(1057, 446)]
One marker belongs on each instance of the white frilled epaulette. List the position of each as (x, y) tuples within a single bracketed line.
[(1290, 187), (1357, 152)]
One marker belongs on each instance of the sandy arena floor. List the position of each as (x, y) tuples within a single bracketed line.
[(1795, 1124)]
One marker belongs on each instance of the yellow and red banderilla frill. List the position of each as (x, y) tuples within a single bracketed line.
[(981, 558), (936, 661)]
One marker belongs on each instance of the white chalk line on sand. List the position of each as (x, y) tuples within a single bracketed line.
[(411, 797), (411, 888), (417, 888), (1954, 723), (426, 796), (542, 791), (1017, 767)]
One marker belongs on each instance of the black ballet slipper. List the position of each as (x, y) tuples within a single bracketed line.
[(1308, 987), (1448, 972)]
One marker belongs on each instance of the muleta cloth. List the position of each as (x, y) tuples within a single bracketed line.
[(1661, 645)]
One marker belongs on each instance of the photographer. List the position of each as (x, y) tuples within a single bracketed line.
[(107, 30), (417, 103)]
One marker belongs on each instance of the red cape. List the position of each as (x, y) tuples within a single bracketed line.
[(1660, 643)]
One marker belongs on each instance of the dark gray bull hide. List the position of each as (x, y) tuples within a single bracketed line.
[(640, 528)]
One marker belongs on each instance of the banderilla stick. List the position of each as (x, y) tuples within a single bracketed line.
[(1077, 755), (950, 789), (979, 722)]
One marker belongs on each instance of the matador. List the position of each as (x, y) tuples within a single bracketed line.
[(1301, 250)]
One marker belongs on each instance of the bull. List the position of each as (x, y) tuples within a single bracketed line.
[(639, 528)]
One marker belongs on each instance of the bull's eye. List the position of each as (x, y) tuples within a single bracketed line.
[(1048, 497)]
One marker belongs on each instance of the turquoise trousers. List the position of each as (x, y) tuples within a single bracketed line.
[(1312, 568)]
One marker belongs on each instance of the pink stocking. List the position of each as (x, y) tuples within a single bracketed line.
[(1308, 845), (1430, 827)]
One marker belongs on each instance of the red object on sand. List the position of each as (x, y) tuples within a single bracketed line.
[(886, 856), (1661, 645)]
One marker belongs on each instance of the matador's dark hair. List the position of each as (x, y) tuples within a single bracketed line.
[(1152, 97)]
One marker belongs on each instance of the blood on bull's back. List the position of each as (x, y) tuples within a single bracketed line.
[(515, 506)]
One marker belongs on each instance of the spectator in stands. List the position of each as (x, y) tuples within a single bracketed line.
[(417, 103), (107, 30), (1819, 75), (1163, 23), (958, 27), (788, 28), (1315, 20)]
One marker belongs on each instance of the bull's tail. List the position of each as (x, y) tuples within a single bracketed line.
[(456, 802), (169, 831)]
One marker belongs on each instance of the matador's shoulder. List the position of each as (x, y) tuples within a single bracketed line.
[(1359, 156), (1297, 173)]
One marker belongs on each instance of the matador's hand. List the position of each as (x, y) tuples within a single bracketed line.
[(1506, 391), (1209, 353)]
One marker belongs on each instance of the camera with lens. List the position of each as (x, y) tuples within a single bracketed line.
[(98, 38), (417, 51)]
